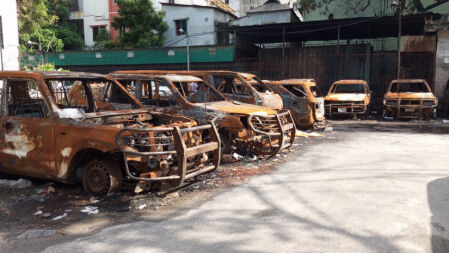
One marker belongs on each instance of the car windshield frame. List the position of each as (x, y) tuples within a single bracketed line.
[(180, 87), (93, 98), (424, 88), (361, 88)]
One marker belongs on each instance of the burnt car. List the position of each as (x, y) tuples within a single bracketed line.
[(242, 87), (106, 141), (304, 100), (410, 99), (244, 127), (347, 97)]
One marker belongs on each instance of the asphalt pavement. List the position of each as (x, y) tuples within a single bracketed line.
[(370, 189)]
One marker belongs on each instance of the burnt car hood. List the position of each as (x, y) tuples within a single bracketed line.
[(352, 97), (410, 95), (240, 108)]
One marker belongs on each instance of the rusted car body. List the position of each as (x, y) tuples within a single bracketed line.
[(304, 100), (347, 97), (242, 87), (410, 98), (245, 127), (102, 141)]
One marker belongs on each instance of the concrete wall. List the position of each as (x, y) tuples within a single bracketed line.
[(243, 6), (200, 21), (95, 13), (442, 63), (10, 51)]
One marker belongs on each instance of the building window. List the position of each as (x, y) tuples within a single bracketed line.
[(181, 26), (96, 30)]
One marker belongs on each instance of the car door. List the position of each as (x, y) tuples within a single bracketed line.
[(26, 130), (234, 88), (161, 97)]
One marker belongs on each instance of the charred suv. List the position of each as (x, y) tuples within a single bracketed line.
[(102, 137), (304, 100), (410, 98), (248, 128)]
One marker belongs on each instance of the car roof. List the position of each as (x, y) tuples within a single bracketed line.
[(350, 81)]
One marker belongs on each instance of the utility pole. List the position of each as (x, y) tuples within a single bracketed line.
[(1, 42), (188, 51), (399, 38)]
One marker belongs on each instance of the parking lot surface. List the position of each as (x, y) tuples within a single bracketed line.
[(370, 188)]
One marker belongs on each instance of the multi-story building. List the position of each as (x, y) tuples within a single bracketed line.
[(9, 36)]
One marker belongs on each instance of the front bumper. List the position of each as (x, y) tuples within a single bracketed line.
[(172, 144), (404, 109), (345, 108), (275, 132)]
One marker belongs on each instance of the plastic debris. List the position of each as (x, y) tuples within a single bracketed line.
[(94, 200), (46, 215), (328, 129), (60, 217), (15, 184), (38, 212), (90, 210), (446, 121), (142, 206), (51, 189), (36, 234), (237, 156)]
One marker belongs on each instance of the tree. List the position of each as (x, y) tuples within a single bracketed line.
[(140, 24), (65, 30), (37, 27)]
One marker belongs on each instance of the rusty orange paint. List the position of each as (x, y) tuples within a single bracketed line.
[(42, 137), (341, 100), (247, 88), (414, 99), (232, 117)]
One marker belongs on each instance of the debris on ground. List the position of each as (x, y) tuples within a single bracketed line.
[(38, 212), (172, 195), (388, 118), (51, 189), (59, 217), (90, 210), (36, 234), (328, 129), (15, 184), (445, 121), (46, 215), (237, 156), (142, 206)]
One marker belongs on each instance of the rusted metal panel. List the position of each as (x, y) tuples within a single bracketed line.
[(50, 130), (233, 118), (410, 98), (419, 44)]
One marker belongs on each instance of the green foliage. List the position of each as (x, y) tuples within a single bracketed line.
[(140, 24), (45, 67), (65, 30), (37, 25), (102, 39)]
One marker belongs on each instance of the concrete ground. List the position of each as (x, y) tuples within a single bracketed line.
[(371, 189)]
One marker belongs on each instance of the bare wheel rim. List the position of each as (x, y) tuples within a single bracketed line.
[(98, 178)]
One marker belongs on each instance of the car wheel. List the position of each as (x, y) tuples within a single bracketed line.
[(102, 177)]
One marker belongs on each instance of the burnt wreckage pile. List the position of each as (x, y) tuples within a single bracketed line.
[(89, 128)]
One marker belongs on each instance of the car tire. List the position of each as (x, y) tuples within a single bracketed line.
[(102, 177)]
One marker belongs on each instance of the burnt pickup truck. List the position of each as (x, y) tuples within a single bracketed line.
[(304, 100), (347, 97), (410, 98), (107, 140), (242, 87), (245, 127)]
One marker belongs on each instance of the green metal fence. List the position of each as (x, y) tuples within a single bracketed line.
[(133, 57)]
